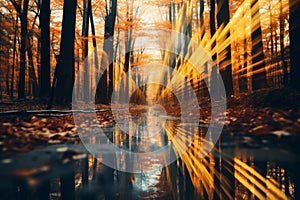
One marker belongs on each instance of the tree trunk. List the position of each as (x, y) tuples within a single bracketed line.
[(170, 12), (92, 23), (96, 59), (224, 63), (85, 49), (282, 48), (54, 83), (212, 24), (258, 58), (105, 86), (14, 60), (32, 83), (128, 40), (23, 19), (109, 32), (7, 73), (213, 75), (243, 81), (294, 43), (45, 49), (65, 71), (202, 28), (272, 36)]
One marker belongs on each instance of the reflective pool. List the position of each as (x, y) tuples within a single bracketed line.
[(239, 166)]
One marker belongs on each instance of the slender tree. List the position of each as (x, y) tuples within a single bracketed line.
[(14, 58), (212, 24), (85, 44), (128, 39), (92, 24), (171, 12), (96, 58), (212, 19), (282, 48), (22, 11), (45, 49), (32, 82), (110, 20), (258, 58), (225, 55), (202, 28), (244, 83), (105, 85)]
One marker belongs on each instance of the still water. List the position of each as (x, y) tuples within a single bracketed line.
[(237, 167)]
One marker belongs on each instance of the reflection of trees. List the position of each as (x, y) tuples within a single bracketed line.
[(67, 171), (220, 175)]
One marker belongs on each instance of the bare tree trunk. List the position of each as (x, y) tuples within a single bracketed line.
[(272, 35), (170, 12), (282, 48), (38, 66), (294, 43), (65, 71), (243, 81), (202, 28), (33, 85), (258, 58), (7, 73), (23, 19), (225, 55), (45, 49), (78, 74), (54, 83), (14, 59), (92, 23), (212, 24), (85, 49), (128, 40), (273, 55), (105, 86), (96, 60)]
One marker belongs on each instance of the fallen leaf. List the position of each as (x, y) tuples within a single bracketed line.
[(280, 133)]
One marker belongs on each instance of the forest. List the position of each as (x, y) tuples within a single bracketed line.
[(250, 42), (213, 85)]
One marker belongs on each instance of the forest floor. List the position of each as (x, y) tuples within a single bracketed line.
[(272, 115)]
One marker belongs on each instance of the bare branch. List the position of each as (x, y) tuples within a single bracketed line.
[(17, 6)]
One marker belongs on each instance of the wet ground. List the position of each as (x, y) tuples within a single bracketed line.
[(241, 165)]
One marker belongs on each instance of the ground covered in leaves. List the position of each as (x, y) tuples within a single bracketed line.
[(266, 114), (272, 115)]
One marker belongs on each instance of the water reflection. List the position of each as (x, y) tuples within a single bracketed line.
[(227, 172)]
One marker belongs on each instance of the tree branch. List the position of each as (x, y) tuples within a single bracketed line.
[(17, 6)]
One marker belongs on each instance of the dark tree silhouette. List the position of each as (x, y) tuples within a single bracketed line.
[(128, 42), (258, 58), (295, 43), (282, 49), (225, 55), (45, 49), (22, 11), (14, 58), (212, 19), (65, 67), (32, 82), (85, 44), (202, 28), (105, 85)]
